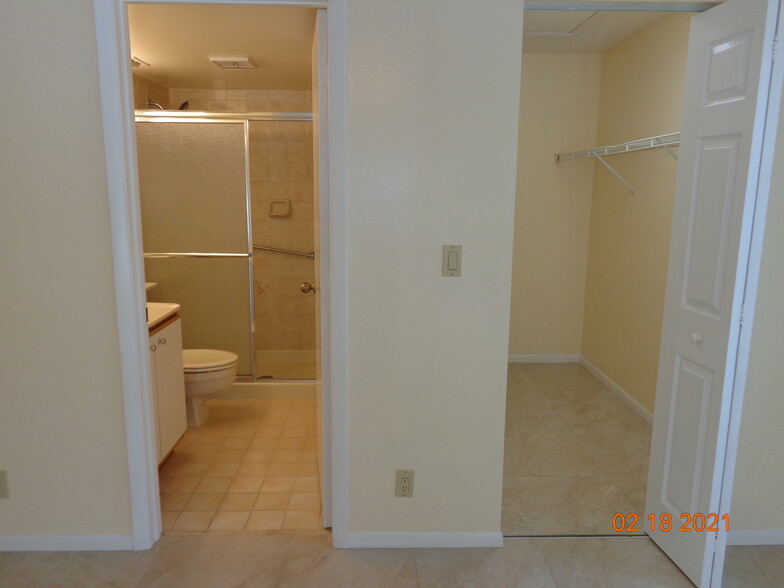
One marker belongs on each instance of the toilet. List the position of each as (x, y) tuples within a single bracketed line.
[(208, 372)]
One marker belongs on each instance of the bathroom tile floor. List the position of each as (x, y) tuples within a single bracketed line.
[(251, 469), (575, 454)]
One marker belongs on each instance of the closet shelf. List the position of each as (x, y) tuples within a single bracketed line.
[(665, 142)]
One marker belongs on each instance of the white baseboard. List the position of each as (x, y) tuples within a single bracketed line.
[(761, 537), (408, 540), (544, 358), (66, 543), (617, 390)]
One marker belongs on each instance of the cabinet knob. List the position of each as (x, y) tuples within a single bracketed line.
[(162, 341), (153, 347), (695, 338)]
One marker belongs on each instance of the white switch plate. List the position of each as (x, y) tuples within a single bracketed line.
[(452, 261)]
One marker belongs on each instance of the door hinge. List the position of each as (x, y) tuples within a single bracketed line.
[(775, 51)]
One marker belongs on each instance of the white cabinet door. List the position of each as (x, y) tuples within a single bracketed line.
[(728, 73), (170, 386)]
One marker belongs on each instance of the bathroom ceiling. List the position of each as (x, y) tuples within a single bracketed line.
[(569, 31), (178, 40)]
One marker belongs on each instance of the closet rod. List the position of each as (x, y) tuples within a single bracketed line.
[(665, 142)]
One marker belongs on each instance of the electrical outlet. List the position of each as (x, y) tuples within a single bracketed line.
[(404, 483), (3, 484)]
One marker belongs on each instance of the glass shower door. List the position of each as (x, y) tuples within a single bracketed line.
[(193, 182)]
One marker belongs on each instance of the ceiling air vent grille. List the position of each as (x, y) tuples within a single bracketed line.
[(233, 62)]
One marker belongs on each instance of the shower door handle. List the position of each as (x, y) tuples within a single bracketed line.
[(306, 287)]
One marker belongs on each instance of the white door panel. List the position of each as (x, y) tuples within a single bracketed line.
[(728, 73)]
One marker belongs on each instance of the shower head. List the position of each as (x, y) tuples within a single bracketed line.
[(184, 105), (150, 103)]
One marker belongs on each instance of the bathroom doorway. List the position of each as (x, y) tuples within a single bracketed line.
[(230, 191)]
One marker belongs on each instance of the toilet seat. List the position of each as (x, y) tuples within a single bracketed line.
[(199, 361)]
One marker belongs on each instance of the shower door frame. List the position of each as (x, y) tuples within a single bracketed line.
[(117, 109), (244, 118)]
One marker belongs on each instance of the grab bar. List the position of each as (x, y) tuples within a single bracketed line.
[(310, 254), (200, 255)]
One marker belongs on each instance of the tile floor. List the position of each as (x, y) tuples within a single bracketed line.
[(251, 469), (574, 454), (305, 561)]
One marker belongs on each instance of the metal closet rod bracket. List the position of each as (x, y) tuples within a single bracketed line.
[(665, 142)]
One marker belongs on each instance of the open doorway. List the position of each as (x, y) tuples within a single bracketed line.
[(623, 298), (590, 267), (229, 190)]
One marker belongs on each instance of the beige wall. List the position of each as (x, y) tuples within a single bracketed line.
[(759, 477), (559, 107), (432, 130), (62, 436), (641, 96)]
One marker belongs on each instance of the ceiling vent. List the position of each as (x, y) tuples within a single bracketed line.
[(136, 63), (232, 62)]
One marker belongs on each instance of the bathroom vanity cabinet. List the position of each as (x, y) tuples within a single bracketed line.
[(168, 384)]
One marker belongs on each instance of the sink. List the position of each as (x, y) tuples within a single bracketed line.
[(157, 312)]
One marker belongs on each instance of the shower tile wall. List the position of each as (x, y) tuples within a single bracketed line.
[(145, 90), (281, 173), (242, 100)]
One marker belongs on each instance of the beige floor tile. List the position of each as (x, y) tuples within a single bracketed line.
[(311, 562), (229, 456), (519, 564), (291, 443), (222, 470), (204, 502), (181, 485), (193, 469), (301, 519), (167, 520), (222, 562), (305, 501), (213, 485), (308, 469), (306, 484), (193, 521), (752, 566), (243, 432), (264, 443), (283, 469), (265, 520), (174, 502), (287, 455), (245, 485), (269, 431), (277, 484), (236, 443), (229, 520), (253, 470), (272, 501), (258, 456), (295, 431), (238, 501), (122, 569)]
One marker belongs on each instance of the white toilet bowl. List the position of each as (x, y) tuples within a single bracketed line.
[(208, 372)]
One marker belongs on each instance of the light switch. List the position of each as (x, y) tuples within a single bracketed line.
[(452, 260)]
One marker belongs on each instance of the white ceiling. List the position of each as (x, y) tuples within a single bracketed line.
[(568, 31), (177, 40)]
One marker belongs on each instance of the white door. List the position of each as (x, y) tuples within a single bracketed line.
[(728, 77), (321, 240)]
